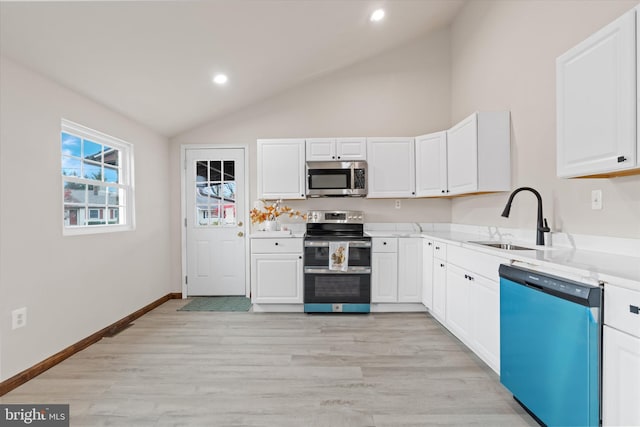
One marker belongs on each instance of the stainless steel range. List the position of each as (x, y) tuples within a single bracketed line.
[(337, 263)]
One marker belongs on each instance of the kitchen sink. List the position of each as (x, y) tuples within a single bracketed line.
[(505, 246)]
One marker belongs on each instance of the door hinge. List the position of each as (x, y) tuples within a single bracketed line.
[(186, 280), (185, 164), (185, 222)]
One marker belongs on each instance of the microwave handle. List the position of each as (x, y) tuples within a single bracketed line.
[(353, 177)]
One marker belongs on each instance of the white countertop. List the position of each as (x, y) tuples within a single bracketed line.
[(586, 265)]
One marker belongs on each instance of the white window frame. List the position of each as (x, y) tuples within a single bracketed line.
[(125, 184)]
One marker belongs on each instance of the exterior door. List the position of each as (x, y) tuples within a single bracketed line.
[(215, 229)]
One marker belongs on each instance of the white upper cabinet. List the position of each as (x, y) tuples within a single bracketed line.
[(431, 164), (391, 167), (478, 154), (597, 101), (281, 169), (321, 149), (327, 149)]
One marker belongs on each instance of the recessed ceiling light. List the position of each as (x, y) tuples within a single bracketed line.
[(377, 15), (220, 79)]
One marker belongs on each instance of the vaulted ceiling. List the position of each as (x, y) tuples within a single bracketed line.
[(153, 61)]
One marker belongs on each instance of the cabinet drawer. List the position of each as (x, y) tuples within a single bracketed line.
[(621, 309), (383, 244), (440, 250), (288, 245), (477, 262)]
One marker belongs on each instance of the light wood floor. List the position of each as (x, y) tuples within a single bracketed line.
[(270, 369)]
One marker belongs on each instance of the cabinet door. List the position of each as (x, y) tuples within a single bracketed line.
[(281, 169), (458, 313), (596, 102), (621, 387), (351, 148), (431, 164), (439, 290), (384, 277), (427, 272), (391, 167), (321, 149), (485, 323), (410, 269), (276, 278), (462, 156)]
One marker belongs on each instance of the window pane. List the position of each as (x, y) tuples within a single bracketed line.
[(96, 216), (92, 151), (229, 213), (213, 191), (70, 145), (202, 215), (110, 174), (113, 196), (201, 172), (70, 166), (229, 170), (73, 215), (91, 171), (214, 215), (114, 216), (111, 156), (74, 192), (229, 191), (97, 195), (215, 173)]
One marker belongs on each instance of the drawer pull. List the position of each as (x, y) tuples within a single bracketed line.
[(634, 309), (276, 243)]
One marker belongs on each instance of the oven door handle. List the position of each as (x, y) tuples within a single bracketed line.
[(351, 270), (325, 244)]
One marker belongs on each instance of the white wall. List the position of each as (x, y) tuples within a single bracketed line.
[(76, 285), (503, 57), (404, 92)]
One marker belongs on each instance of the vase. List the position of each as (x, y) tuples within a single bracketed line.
[(271, 226)]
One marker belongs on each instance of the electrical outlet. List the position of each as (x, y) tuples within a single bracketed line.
[(397, 204), (19, 318), (596, 199)]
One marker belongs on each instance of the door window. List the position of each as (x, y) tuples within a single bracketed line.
[(215, 193)]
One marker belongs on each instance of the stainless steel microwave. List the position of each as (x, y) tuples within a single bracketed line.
[(337, 179)]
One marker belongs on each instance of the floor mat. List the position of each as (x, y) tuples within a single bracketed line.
[(218, 304)]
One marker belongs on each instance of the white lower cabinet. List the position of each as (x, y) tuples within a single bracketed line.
[(384, 277), (621, 379), (472, 309), (276, 271), (396, 270), (439, 282), (427, 274), (409, 269), (458, 314), (485, 320), (621, 357)]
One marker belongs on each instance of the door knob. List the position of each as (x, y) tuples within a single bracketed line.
[(240, 234), (239, 223)]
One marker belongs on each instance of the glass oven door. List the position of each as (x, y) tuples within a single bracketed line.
[(322, 285)]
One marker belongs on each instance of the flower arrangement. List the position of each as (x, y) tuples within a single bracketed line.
[(272, 212)]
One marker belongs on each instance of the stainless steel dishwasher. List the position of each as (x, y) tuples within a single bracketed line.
[(550, 345)]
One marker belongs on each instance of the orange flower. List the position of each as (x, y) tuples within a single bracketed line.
[(273, 211)]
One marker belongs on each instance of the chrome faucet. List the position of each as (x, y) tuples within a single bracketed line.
[(542, 226)]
